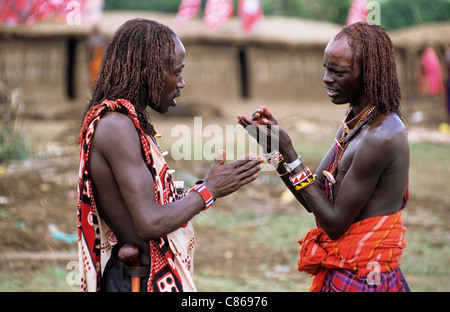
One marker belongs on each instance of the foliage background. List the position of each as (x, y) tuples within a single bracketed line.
[(394, 13)]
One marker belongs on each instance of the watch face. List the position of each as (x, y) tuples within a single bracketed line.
[(290, 167)]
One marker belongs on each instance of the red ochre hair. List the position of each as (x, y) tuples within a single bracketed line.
[(133, 67)]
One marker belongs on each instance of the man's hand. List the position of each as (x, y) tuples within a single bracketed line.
[(264, 128), (224, 178), (262, 116)]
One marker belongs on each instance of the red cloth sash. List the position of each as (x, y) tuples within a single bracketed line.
[(380, 239)]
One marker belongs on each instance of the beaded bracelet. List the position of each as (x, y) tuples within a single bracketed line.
[(309, 180), (273, 157), (302, 179), (205, 194)]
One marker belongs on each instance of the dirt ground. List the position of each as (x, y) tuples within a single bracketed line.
[(41, 190)]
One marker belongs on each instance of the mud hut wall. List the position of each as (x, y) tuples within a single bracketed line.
[(46, 69), (80, 75), (235, 70), (39, 65), (289, 73), (286, 73), (407, 70), (35, 65), (211, 72)]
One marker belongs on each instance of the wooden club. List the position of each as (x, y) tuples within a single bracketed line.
[(129, 255)]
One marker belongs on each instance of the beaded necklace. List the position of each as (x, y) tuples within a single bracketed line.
[(344, 139), (157, 136), (347, 134)]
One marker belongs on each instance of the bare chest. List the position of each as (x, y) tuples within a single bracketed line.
[(348, 156)]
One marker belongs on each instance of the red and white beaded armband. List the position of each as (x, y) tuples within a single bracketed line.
[(205, 194), (302, 179)]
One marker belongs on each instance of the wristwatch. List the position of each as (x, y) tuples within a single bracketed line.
[(291, 166)]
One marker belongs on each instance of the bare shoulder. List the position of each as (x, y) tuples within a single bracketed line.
[(388, 132), (384, 142), (115, 122), (115, 130)]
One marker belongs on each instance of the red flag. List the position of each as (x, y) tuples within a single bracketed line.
[(188, 9), (17, 12), (250, 12), (13, 13), (358, 12), (218, 12)]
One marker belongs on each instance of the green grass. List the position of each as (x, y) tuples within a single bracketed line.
[(425, 261), (13, 145), (51, 279), (429, 171)]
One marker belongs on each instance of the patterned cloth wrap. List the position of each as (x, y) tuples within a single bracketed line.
[(373, 245), (171, 255)]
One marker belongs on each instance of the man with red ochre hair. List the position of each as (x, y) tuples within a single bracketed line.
[(361, 186)]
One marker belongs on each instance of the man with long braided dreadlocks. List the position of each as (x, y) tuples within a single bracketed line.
[(126, 195), (361, 186)]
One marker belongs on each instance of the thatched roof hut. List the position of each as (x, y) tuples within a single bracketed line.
[(437, 34), (409, 42), (280, 60)]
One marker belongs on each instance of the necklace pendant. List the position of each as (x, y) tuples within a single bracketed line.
[(329, 177), (345, 127)]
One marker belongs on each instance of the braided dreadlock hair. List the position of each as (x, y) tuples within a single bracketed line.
[(133, 67), (373, 50)]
